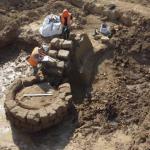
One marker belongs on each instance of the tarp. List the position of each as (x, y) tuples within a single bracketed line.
[(51, 26)]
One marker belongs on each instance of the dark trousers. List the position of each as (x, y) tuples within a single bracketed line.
[(65, 32), (35, 70)]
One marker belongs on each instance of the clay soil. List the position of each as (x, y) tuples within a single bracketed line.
[(117, 114)]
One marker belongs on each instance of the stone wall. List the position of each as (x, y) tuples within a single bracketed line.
[(33, 119)]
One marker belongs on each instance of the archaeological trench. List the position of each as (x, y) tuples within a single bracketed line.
[(101, 84), (33, 114)]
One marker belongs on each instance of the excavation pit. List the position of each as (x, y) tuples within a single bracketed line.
[(31, 112)]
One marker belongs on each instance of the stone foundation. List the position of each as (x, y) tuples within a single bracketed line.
[(33, 114)]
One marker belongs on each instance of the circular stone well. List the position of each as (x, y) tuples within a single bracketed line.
[(34, 113)]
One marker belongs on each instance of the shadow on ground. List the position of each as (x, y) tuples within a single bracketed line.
[(55, 138), (12, 51)]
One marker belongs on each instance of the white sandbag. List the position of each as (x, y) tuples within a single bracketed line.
[(51, 26)]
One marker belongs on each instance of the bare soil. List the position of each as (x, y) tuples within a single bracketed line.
[(143, 2), (117, 114)]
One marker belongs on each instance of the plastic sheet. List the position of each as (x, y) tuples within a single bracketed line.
[(51, 26)]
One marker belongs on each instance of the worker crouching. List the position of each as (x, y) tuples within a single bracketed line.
[(36, 57), (66, 20)]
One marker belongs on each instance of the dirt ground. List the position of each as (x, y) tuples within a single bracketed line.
[(30, 101), (117, 115), (143, 2)]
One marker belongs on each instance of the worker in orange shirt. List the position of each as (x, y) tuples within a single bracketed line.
[(36, 57), (66, 20)]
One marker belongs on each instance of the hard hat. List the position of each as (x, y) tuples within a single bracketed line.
[(65, 13), (45, 47)]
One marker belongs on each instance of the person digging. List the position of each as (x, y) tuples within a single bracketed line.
[(66, 20)]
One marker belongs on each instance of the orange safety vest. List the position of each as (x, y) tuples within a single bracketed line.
[(32, 60), (63, 19)]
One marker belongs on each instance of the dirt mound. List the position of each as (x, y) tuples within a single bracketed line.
[(137, 43), (9, 34), (133, 63), (143, 2), (120, 95), (22, 4), (36, 113)]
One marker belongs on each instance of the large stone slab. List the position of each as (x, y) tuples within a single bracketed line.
[(9, 104), (55, 43), (67, 45), (60, 43), (21, 114), (53, 53), (61, 64), (43, 116), (33, 117), (63, 54)]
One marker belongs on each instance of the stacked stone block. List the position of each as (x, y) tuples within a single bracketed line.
[(60, 52)]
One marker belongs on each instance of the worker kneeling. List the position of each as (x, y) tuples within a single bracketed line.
[(66, 20), (37, 56)]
